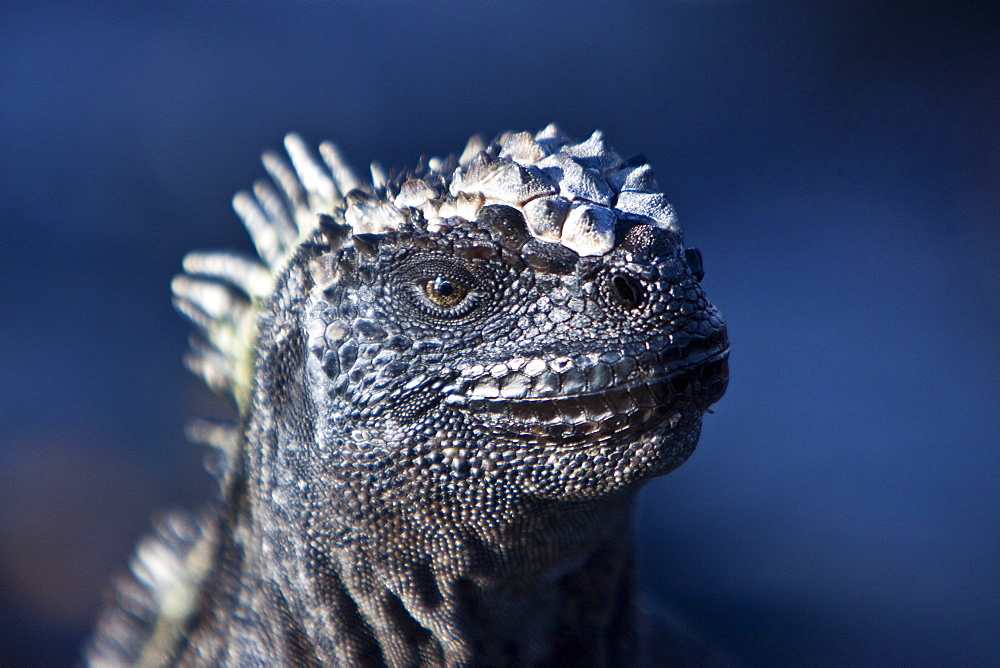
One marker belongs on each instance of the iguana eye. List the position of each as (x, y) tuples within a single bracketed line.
[(445, 292), (440, 289)]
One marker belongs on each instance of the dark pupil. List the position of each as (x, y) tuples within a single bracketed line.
[(443, 287)]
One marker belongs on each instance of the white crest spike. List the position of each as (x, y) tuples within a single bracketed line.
[(265, 236), (321, 191), (379, 178), (246, 273), (473, 147), (343, 175), (276, 211)]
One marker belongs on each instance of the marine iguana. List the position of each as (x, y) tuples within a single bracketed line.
[(451, 383)]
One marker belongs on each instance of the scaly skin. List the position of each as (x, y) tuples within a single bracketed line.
[(450, 417)]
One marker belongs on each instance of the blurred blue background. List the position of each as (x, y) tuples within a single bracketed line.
[(837, 163)]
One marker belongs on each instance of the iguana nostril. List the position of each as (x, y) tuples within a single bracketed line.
[(626, 290)]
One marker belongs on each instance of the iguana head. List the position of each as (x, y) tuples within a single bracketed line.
[(525, 316)]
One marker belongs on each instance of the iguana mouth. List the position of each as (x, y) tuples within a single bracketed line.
[(640, 405)]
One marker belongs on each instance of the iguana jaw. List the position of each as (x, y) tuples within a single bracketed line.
[(617, 413), (597, 397)]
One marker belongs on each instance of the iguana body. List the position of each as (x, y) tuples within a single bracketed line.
[(451, 383)]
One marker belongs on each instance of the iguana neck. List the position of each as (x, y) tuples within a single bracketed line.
[(442, 594)]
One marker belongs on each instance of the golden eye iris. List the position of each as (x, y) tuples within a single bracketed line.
[(445, 292)]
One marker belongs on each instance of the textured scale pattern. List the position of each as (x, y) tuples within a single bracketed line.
[(451, 383)]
